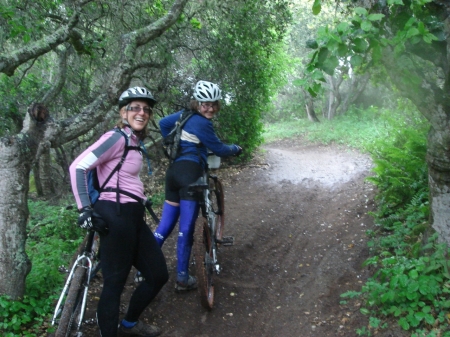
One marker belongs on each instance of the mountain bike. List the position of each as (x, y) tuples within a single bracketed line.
[(208, 233), (71, 306)]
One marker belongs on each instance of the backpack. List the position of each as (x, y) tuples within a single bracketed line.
[(94, 188), (171, 143)]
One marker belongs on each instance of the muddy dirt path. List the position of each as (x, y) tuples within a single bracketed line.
[(298, 215)]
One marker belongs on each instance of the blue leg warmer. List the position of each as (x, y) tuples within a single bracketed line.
[(188, 215), (168, 221)]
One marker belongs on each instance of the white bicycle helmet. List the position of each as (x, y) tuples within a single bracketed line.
[(134, 93), (205, 91)]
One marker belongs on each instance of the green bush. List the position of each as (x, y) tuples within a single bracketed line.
[(53, 238), (411, 280)]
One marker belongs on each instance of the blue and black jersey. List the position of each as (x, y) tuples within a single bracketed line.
[(197, 137)]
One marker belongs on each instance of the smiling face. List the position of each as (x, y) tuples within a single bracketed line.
[(137, 114), (208, 109)]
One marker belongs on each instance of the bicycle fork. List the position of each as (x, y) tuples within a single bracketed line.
[(78, 263)]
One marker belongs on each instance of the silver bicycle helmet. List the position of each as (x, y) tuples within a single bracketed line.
[(134, 93), (207, 92)]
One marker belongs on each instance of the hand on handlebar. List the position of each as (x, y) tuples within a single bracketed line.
[(237, 154), (90, 220)]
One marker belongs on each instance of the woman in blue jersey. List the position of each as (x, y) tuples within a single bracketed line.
[(128, 241), (196, 138)]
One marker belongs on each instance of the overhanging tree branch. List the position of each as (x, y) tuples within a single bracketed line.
[(10, 62), (120, 78), (61, 78)]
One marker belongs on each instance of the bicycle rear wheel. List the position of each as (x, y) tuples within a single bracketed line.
[(204, 264), (218, 207), (72, 305)]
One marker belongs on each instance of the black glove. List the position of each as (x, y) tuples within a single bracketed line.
[(237, 154), (85, 218), (90, 220)]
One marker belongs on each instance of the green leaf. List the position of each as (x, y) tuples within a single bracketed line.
[(356, 60), (412, 296), (317, 7), (312, 44), (403, 323), (335, 37), (426, 309), (375, 17), (366, 26), (419, 315), (312, 92), (411, 21), (343, 27), (429, 319), (330, 64), (421, 28), (342, 50), (318, 76), (299, 82), (359, 45), (323, 55), (428, 38), (413, 31), (333, 45), (364, 311), (361, 11), (413, 274)]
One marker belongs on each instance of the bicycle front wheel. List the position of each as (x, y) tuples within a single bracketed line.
[(204, 264), (218, 207), (72, 305)]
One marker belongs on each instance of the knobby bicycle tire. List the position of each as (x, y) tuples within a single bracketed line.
[(204, 265), (218, 207), (72, 304)]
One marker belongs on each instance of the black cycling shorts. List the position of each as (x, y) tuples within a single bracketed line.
[(178, 177)]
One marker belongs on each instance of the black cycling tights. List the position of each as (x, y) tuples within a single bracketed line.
[(129, 242)]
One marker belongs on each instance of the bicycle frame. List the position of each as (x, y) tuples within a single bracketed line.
[(85, 261)]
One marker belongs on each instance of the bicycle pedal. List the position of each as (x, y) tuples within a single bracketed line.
[(227, 241)]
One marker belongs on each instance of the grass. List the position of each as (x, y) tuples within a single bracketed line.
[(357, 129)]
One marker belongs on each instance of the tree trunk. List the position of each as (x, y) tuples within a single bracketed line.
[(433, 102), (334, 96), (357, 85), (37, 179), (310, 112), (43, 178), (438, 159), (45, 174), (17, 156)]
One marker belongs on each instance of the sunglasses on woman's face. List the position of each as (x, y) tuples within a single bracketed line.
[(209, 106), (138, 108)]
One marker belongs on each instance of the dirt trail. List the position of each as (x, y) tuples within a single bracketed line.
[(298, 215)]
